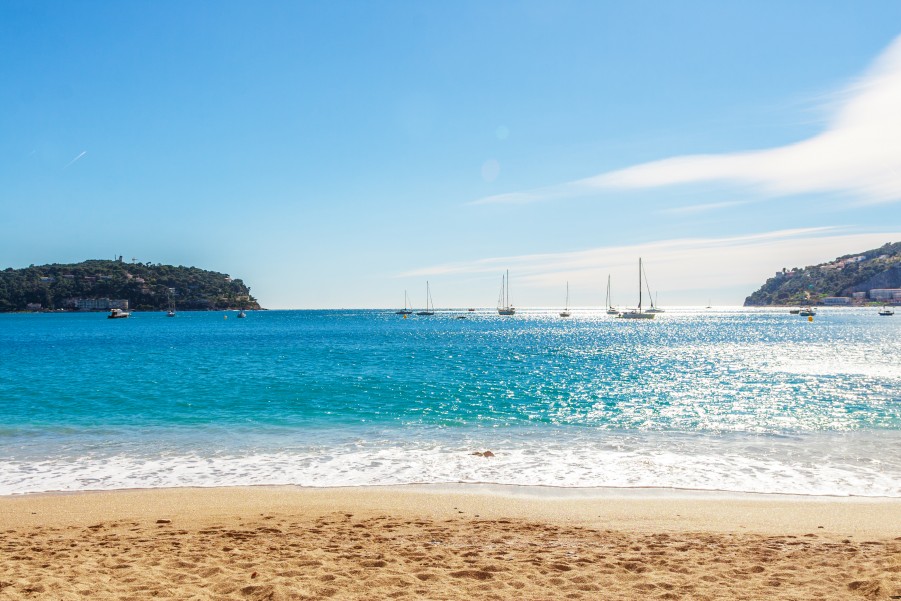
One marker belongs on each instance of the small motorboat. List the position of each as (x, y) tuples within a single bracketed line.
[(807, 312), (117, 314), (242, 314), (886, 311), (792, 311)]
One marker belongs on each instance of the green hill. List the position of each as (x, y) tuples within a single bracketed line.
[(860, 272), (147, 287)]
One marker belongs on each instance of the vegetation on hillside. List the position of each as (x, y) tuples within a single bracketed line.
[(146, 286), (860, 272)]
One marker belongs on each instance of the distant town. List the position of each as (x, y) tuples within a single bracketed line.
[(870, 277)]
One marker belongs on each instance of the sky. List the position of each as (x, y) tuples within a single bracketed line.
[(337, 154)]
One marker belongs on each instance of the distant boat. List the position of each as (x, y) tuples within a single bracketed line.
[(638, 313), (429, 305), (611, 310), (242, 314), (565, 312), (709, 305), (471, 310), (795, 311), (171, 312), (886, 311), (503, 302), (117, 314), (807, 312), (406, 310), (654, 308)]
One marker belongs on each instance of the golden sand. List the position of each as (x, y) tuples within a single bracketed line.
[(464, 542)]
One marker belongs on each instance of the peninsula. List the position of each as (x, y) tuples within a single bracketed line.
[(102, 284), (872, 276)]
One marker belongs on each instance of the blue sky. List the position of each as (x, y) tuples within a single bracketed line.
[(334, 154)]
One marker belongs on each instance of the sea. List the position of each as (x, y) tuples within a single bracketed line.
[(744, 400)]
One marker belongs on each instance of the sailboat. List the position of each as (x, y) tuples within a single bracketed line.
[(638, 313), (565, 312), (171, 312), (503, 302), (406, 310), (611, 310), (654, 308), (429, 306)]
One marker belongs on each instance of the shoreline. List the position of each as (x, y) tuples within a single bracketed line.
[(660, 508)]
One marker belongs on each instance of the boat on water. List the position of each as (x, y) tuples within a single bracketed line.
[(429, 305), (117, 314), (565, 312), (503, 302), (807, 312), (408, 309), (886, 311), (611, 310), (242, 314), (637, 313), (171, 311), (654, 308), (795, 311)]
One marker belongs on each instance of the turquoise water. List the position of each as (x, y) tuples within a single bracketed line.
[(739, 400)]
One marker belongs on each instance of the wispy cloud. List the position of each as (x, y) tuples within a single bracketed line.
[(676, 264), (76, 159), (858, 153), (703, 208)]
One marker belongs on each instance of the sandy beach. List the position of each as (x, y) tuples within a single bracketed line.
[(446, 542)]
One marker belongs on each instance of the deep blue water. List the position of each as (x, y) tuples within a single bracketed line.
[(750, 400)]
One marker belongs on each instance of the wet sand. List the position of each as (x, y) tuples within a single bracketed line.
[(446, 542)]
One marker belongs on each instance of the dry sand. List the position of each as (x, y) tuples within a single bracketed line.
[(445, 542)]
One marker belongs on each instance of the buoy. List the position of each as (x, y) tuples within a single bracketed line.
[(810, 318)]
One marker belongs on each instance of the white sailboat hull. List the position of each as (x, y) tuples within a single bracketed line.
[(636, 315)]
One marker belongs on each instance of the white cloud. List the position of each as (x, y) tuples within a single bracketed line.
[(859, 153), (684, 264)]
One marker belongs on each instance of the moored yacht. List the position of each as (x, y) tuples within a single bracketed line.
[(503, 302), (565, 312), (637, 313), (611, 310)]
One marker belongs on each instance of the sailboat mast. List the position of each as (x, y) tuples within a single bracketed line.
[(508, 290), (639, 284), (608, 290)]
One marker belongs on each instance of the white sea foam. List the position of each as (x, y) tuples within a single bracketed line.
[(813, 465)]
